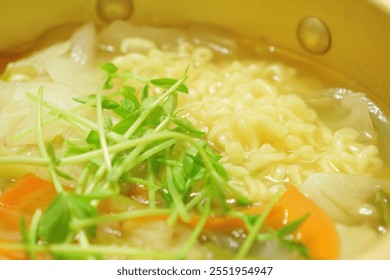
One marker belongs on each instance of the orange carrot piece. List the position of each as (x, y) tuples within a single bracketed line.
[(22, 199), (28, 194), (318, 232), (9, 231), (10, 219)]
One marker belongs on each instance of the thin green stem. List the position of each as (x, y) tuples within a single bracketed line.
[(254, 230), (144, 182), (41, 143), (152, 187), (94, 181), (127, 164), (92, 249), (176, 197), (197, 230), (33, 231), (101, 130), (196, 200), (84, 242), (136, 214), (82, 180)]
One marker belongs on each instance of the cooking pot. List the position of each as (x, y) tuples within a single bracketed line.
[(350, 37)]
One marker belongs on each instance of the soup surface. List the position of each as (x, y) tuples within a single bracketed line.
[(143, 142)]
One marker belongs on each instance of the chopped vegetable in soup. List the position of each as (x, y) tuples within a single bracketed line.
[(153, 143)]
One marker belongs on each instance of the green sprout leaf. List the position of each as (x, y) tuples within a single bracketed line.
[(145, 92), (109, 104), (85, 100), (109, 68), (122, 126), (56, 220), (55, 224), (170, 104), (93, 138), (168, 83), (187, 126), (292, 227)]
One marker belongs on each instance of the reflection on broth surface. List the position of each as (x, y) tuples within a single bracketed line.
[(186, 144)]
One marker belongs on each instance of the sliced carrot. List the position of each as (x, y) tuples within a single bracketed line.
[(10, 231), (318, 233), (28, 194), (21, 200), (9, 219)]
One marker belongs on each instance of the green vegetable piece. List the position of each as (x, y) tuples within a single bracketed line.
[(167, 83), (218, 166), (188, 127), (63, 174), (129, 105), (77, 256), (292, 227), (170, 105), (80, 207), (155, 117), (128, 92), (192, 164), (148, 102), (250, 220), (52, 154), (109, 104), (55, 223), (145, 92), (179, 179), (107, 122), (122, 112), (122, 126), (294, 246), (192, 168), (285, 238), (84, 100), (77, 149), (130, 97), (93, 138), (109, 68), (109, 84)]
